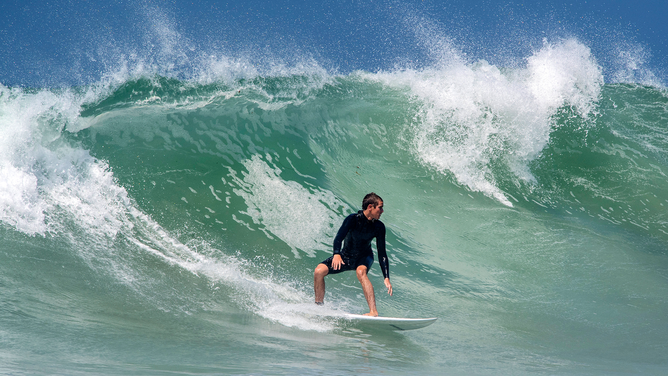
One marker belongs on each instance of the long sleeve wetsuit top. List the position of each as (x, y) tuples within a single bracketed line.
[(356, 234)]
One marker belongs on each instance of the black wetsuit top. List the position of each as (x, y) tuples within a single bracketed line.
[(358, 231)]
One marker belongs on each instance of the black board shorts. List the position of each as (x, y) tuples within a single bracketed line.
[(364, 260)]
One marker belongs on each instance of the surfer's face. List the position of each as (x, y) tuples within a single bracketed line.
[(375, 211)]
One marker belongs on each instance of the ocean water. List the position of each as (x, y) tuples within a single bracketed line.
[(163, 214)]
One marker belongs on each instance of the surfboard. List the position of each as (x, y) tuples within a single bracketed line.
[(390, 323)]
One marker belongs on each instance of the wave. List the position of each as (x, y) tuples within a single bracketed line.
[(140, 163)]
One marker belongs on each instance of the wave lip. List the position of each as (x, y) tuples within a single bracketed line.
[(477, 118)]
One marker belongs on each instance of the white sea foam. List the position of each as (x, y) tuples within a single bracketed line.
[(475, 115), (29, 122)]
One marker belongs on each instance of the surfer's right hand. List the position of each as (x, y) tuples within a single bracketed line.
[(337, 261)]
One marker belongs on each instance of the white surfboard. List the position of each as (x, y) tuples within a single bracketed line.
[(390, 323)]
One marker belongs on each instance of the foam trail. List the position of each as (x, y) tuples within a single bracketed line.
[(277, 301)]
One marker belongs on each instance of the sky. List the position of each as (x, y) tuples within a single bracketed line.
[(73, 42)]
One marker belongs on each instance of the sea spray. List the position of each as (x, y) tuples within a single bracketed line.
[(478, 121)]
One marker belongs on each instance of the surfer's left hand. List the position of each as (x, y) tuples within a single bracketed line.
[(389, 286)]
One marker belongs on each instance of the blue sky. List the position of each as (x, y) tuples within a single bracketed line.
[(73, 42)]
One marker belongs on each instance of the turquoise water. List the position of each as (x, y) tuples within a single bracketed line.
[(154, 224)]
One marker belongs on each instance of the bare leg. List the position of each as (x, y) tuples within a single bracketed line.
[(367, 287), (319, 282)]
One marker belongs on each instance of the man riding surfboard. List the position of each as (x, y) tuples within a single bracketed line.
[(356, 234)]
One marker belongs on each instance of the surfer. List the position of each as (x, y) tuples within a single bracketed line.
[(356, 233)]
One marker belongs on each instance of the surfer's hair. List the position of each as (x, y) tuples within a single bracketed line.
[(371, 199)]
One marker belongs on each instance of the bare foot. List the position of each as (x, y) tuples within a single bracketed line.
[(373, 314)]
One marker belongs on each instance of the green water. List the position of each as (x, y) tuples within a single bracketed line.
[(166, 226)]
